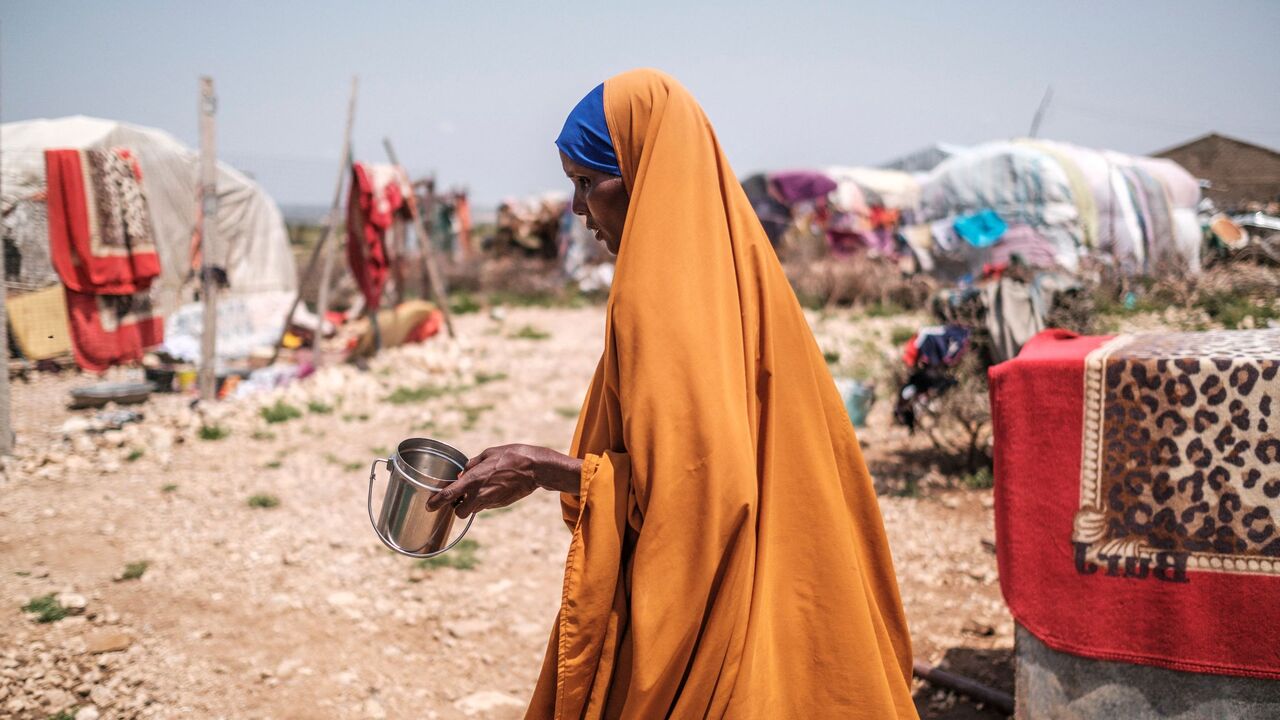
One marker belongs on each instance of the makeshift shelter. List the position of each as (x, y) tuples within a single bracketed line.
[(252, 244)]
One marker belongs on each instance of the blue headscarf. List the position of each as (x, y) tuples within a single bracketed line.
[(585, 136)]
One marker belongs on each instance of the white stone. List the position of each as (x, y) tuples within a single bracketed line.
[(87, 712), (343, 598), (485, 701)]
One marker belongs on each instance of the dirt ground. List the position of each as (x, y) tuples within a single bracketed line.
[(297, 611)]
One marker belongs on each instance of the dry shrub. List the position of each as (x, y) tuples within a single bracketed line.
[(959, 422), (857, 281)]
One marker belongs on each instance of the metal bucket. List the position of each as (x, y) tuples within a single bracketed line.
[(418, 468)]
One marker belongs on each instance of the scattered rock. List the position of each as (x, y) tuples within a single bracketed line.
[(981, 629), (87, 712), (343, 598), (58, 699), (73, 603), (486, 700), (106, 642), (465, 628), (373, 710)]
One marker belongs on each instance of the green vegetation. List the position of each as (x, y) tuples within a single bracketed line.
[(529, 332), (68, 714), (263, 435), (354, 418), (831, 356), (380, 451), (46, 608), (213, 432), (280, 412), (884, 309), (464, 303), (422, 393), (1231, 309), (569, 413), (274, 464), (472, 414), (263, 500), (980, 480), (134, 455), (134, 570), (461, 557), (900, 334), (171, 487), (318, 408), (483, 378)]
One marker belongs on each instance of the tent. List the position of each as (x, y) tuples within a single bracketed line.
[(251, 238)]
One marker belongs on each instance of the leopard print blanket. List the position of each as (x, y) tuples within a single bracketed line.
[(1181, 451)]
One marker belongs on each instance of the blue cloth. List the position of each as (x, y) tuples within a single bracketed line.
[(585, 136), (981, 229)]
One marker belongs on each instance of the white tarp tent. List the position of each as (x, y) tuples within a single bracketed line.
[(251, 238)]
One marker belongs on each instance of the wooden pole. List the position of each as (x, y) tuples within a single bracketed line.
[(344, 171), (433, 276), (1001, 701), (335, 217), (6, 428), (208, 241)]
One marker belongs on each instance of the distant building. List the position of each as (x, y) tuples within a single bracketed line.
[(1238, 172)]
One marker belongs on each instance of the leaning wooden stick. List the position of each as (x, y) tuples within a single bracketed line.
[(433, 276), (344, 171), (335, 217)]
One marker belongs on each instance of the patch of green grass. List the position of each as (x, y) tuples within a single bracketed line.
[(350, 417), (263, 500), (134, 570), (67, 714), (980, 480), (422, 393), (22, 573), (1231, 309), (318, 408), (483, 378), (884, 309), (900, 334), (566, 412), (464, 303), (263, 435), (134, 455), (831, 356), (280, 412), (472, 414), (352, 466), (461, 557), (274, 465), (170, 487), (429, 427), (529, 332), (380, 451), (213, 432), (46, 608)]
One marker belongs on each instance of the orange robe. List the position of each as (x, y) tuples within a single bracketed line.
[(728, 557)]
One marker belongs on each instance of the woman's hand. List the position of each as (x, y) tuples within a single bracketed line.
[(502, 475)]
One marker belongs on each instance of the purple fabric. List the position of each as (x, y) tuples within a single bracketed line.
[(800, 185), (1024, 241)]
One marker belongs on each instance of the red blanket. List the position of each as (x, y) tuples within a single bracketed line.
[(1144, 530), (100, 234), (377, 193), (109, 330)]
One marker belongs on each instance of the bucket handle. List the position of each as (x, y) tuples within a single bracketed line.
[(373, 472)]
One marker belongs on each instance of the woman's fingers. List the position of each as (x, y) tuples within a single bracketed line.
[(477, 459)]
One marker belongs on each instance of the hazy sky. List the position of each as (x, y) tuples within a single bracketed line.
[(476, 91)]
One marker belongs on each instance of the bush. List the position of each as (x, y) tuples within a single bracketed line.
[(213, 432), (461, 557), (280, 412), (46, 608), (263, 500)]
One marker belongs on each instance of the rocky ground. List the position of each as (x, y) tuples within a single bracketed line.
[(265, 593)]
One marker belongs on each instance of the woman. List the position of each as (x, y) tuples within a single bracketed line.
[(728, 558)]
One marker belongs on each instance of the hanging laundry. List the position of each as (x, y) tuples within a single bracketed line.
[(800, 185), (981, 229), (378, 192), (109, 330), (100, 234)]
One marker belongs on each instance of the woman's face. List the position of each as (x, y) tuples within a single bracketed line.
[(601, 198)]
